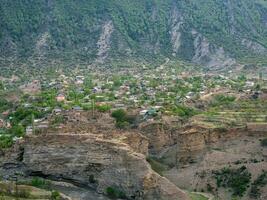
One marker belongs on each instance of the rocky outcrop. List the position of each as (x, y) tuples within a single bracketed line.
[(254, 46), (160, 136), (179, 146), (208, 54), (98, 163), (176, 22), (104, 41), (43, 44)]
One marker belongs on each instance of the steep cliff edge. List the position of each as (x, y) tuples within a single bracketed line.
[(95, 162), (180, 145)]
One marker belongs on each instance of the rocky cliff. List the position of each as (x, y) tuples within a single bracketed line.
[(178, 145), (94, 162)]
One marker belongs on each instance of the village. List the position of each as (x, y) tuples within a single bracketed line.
[(147, 93)]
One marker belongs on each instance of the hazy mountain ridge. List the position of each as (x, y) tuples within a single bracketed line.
[(204, 31)]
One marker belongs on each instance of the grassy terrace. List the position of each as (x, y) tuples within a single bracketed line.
[(196, 196), (236, 114), (9, 191)]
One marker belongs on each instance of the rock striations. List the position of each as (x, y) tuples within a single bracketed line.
[(97, 163)]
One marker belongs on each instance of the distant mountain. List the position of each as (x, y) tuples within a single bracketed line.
[(208, 32)]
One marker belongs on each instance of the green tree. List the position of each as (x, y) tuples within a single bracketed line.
[(119, 115), (2, 87)]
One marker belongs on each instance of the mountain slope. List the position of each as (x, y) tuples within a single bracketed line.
[(202, 31)]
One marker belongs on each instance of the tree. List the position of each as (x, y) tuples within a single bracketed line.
[(2, 86), (103, 108), (260, 75), (258, 87), (119, 115), (88, 83)]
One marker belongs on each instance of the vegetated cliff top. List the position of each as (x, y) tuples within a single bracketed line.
[(96, 30)]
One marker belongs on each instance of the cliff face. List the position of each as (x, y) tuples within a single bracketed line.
[(177, 145), (160, 136), (95, 162), (207, 32)]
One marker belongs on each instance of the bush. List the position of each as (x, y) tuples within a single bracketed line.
[(236, 179), (114, 193), (55, 195), (156, 166), (119, 115), (5, 142), (40, 183), (222, 100), (261, 181), (4, 104), (122, 119), (103, 108), (183, 111), (221, 129), (58, 120), (92, 179), (23, 193), (264, 142), (17, 130), (122, 125)]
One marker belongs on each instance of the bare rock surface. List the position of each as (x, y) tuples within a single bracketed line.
[(94, 162)]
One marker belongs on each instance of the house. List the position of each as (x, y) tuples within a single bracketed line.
[(60, 98), (79, 77), (119, 105), (79, 82), (57, 111), (16, 138), (96, 90), (5, 113), (249, 84), (77, 108), (29, 130), (143, 112)]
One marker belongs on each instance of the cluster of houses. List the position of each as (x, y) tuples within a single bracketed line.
[(138, 90), (143, 90)]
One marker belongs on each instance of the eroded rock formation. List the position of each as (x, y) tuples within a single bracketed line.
[(92, 161)]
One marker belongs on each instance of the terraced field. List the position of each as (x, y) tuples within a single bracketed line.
[(235, 115)]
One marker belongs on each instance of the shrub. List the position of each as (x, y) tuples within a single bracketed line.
[(156, 166), (17, 130), (5, 142), (264, 142), (23, 193), (261, 181), (114, 193), (40, 183), (122, 125), (103, 108), (55, 195), (92, 179), (122, 119), (119, 115), (58, 119), (4, 104), (222, 100), (236, 179), (183, 111), (221, 129)]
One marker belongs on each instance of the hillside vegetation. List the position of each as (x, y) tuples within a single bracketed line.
[(95, 30)]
